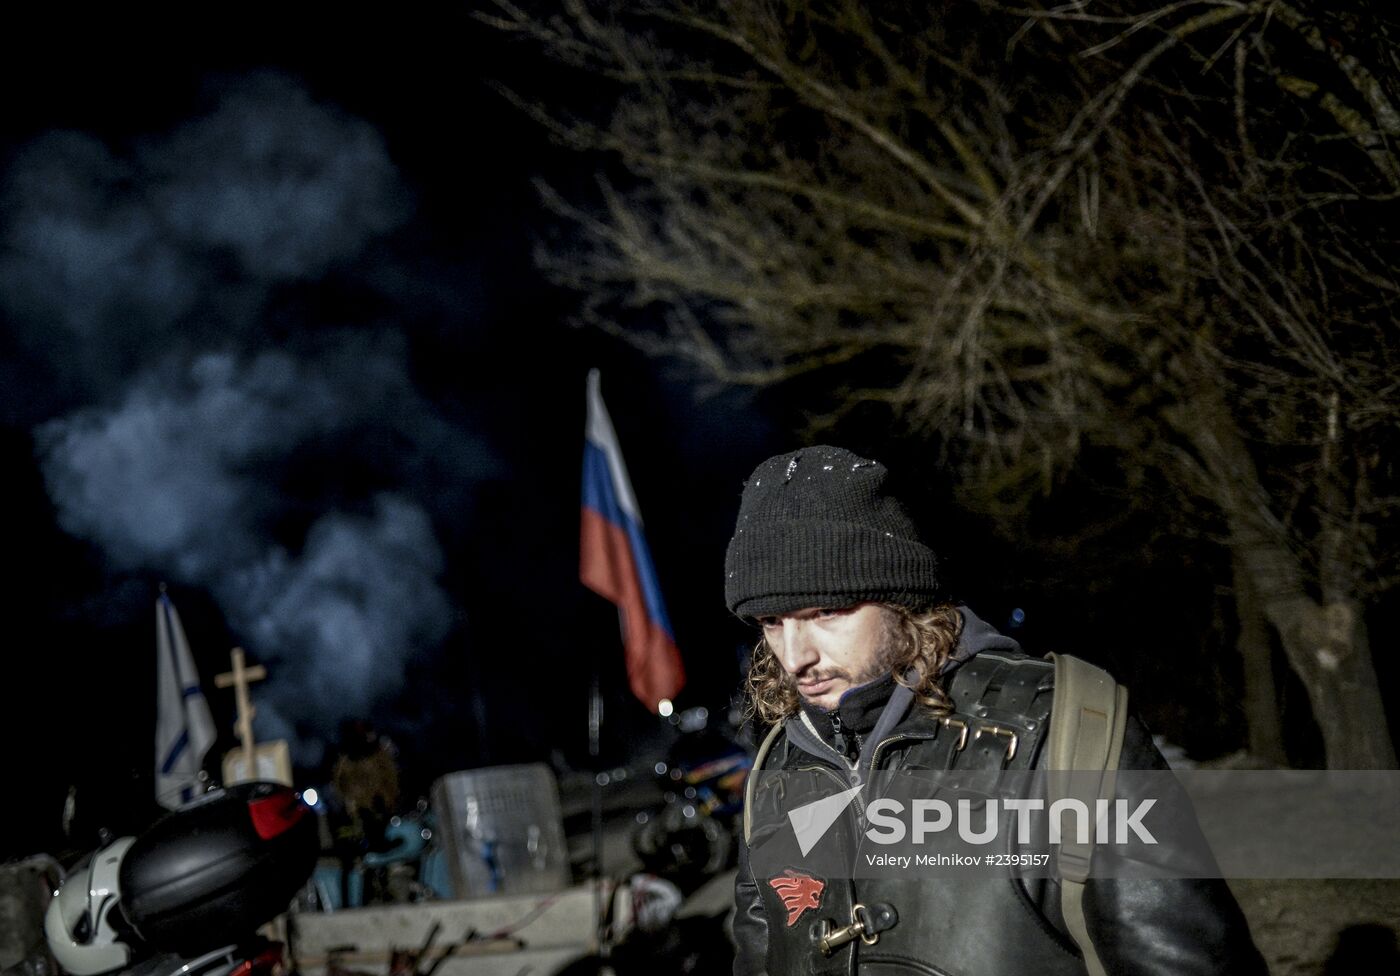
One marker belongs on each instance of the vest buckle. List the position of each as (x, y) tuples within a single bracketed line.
[(866, 924), (947, 721), (998, 730)]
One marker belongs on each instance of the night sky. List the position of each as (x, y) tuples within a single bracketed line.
[(273, 336)]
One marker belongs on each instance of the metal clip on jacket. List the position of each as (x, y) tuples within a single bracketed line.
[(998, 730), (866, 923)]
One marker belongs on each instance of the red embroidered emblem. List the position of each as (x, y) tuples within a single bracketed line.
[(799, 892)]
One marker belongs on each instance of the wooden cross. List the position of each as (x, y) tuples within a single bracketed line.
[(239, 679)]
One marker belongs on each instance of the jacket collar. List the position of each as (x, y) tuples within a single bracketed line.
[(876, 707), (859, 708)]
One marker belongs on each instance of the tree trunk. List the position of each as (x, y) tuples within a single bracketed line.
[(1329, 648), (1326, 644), (1261, 707)]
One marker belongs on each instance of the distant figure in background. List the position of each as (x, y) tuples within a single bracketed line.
[(366, 781), (366, 775)]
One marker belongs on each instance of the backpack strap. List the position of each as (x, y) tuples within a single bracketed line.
[(1085, 738), (758, 760)]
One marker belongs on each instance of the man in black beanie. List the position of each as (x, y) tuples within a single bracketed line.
[(865, 666)]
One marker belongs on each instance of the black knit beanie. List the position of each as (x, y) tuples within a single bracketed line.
[(818, 528)]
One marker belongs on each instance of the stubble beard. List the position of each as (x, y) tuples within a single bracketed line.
[(886, 656)]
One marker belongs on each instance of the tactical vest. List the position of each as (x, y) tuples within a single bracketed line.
[(987, 925)]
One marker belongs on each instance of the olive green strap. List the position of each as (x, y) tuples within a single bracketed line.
[(1086, 739), (758, 760)]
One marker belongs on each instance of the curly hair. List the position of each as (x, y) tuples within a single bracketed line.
[(924, 641)]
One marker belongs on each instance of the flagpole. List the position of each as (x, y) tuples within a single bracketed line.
[(595, 728), (615, 563), (595, 749)]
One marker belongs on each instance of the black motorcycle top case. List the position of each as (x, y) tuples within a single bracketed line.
[(210, 873)]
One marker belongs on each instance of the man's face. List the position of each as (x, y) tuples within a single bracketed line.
[(828, 651)]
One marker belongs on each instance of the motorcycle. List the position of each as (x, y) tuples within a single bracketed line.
[(186, 897), (691, 838)]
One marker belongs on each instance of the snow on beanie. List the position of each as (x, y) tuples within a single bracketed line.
[(819, 528)]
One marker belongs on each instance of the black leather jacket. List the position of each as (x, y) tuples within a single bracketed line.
[(1005, 924)]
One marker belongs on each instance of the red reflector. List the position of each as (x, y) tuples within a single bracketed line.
[(273, 815), (268, 963)]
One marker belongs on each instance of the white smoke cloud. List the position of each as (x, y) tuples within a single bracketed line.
[(158, 479), (107, 259), (169, 478), (86, 280), (286, 185), (144, 279), (361, 594)]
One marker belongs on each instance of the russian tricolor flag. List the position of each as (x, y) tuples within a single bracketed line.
[(615, 563)]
